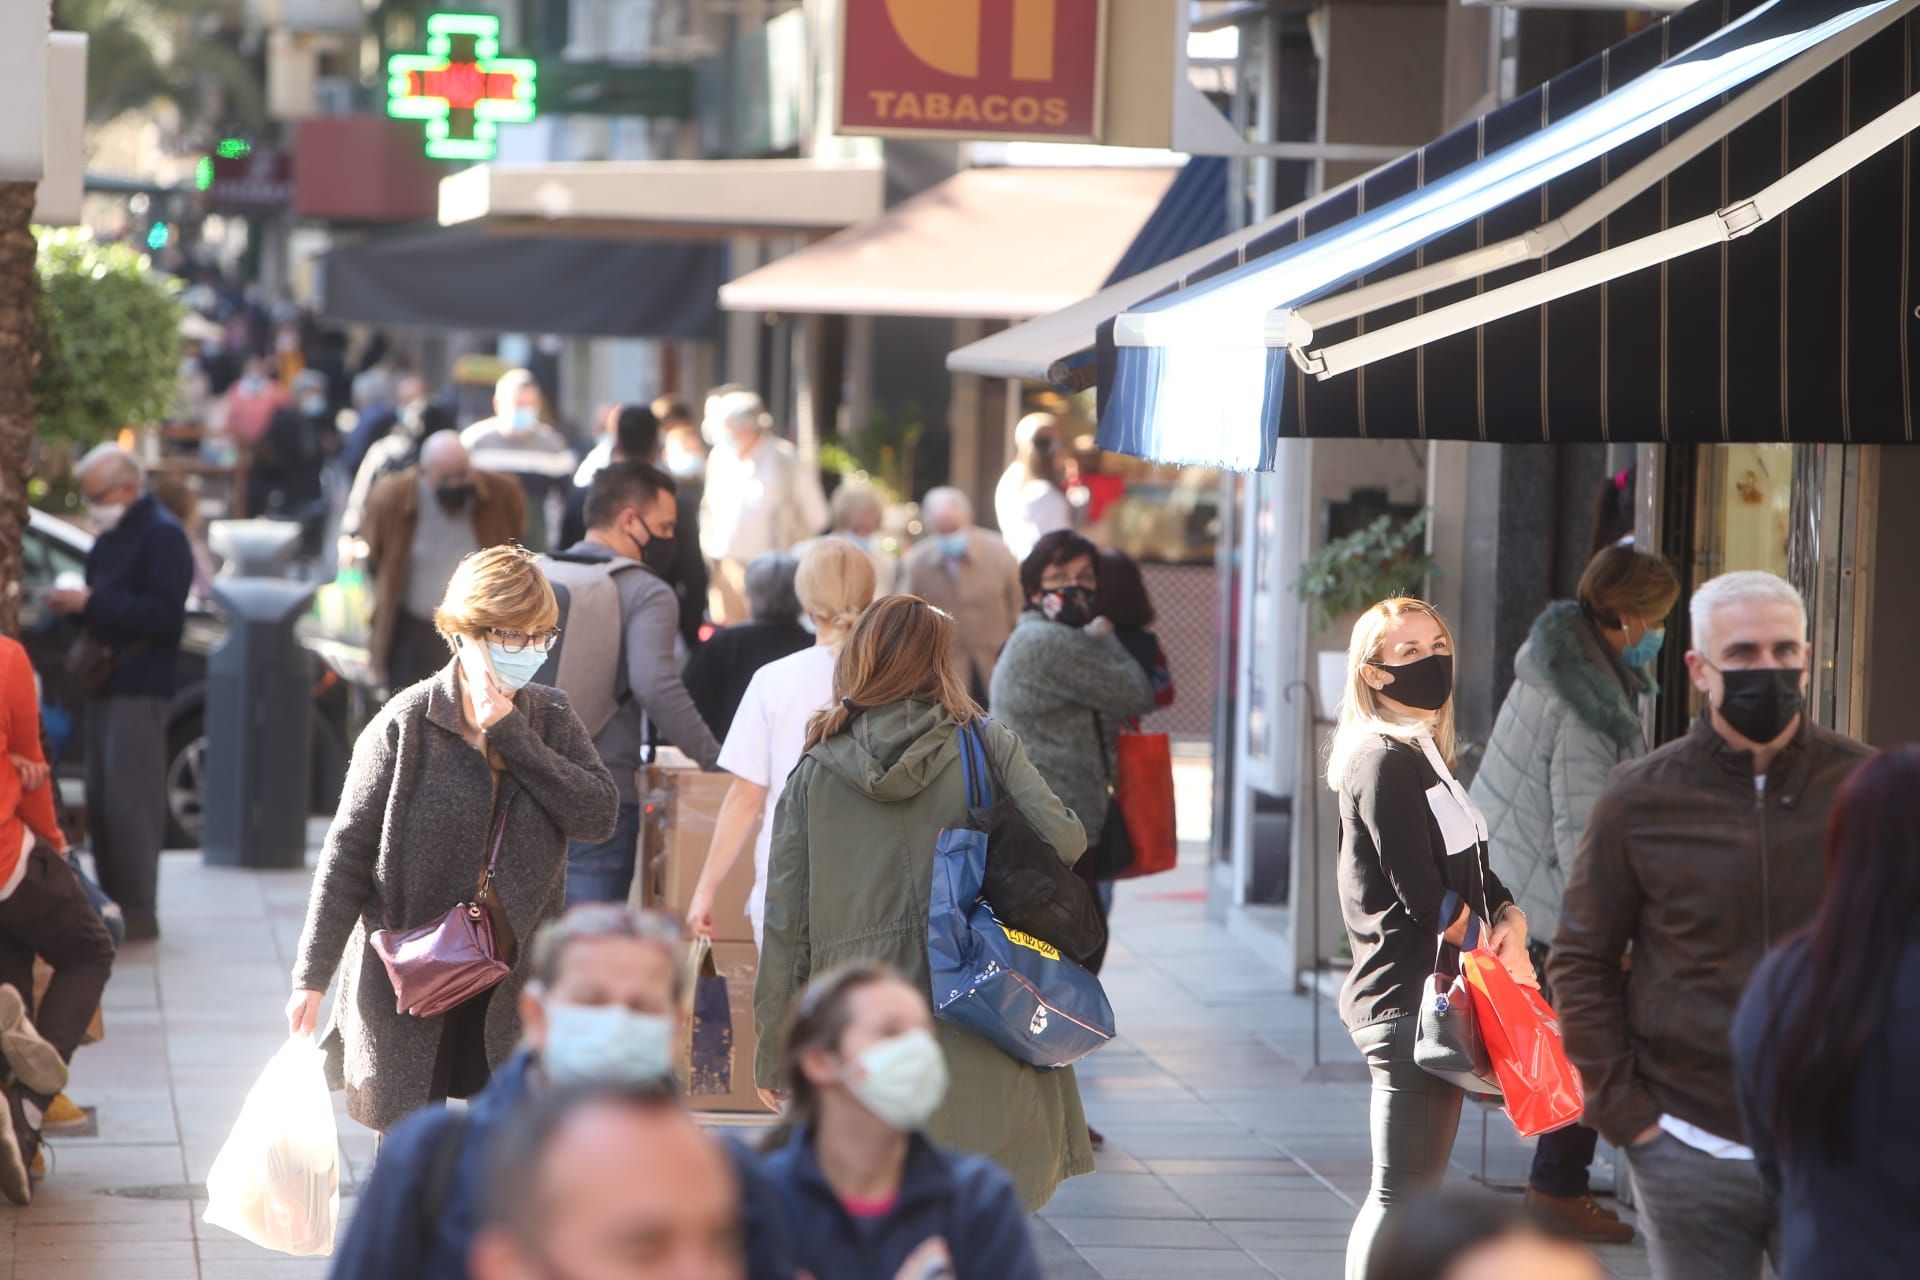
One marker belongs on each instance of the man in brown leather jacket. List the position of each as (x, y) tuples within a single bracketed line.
[(1702, 855)]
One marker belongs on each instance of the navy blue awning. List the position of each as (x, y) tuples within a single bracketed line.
[(1798, 330)]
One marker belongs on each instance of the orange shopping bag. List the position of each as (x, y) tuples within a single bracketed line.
[(1143, 790), (1540, 1087)]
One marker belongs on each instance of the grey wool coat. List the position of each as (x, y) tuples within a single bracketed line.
[(408, 843), (1568, 720), (1064, 693)]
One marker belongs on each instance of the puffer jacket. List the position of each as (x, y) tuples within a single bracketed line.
[(848, 878), (1567, 721), (1702, 871)]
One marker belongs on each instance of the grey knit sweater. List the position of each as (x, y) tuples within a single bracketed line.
[(1065, 694)]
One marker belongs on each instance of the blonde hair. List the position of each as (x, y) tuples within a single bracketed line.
[(500, 587), (902, 649), (1361, 715), (835, 583)]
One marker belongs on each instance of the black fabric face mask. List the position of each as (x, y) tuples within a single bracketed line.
[(1762, 702), (454, 498), (1072, 606), (658, 555), (1425, 684)]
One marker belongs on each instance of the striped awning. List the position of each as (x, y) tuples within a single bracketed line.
[(1542, 274)]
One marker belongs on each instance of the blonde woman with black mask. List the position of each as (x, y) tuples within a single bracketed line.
[(1412, 869)]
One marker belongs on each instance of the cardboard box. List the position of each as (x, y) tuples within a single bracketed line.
[(679, 807), (737, 963)]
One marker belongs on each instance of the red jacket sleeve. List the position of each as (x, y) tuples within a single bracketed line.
[(23, 739)]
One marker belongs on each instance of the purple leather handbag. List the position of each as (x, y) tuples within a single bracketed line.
[(440, 965)]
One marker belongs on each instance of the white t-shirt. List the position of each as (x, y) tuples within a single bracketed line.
[(767, 739), (1028, 509)]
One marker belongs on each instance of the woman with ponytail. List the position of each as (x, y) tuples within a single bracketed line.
[(852, 866), (835, 585)]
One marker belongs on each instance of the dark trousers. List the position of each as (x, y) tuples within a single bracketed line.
[(1413, 1121), (49, 916), (1561, 1160), (417, 652), (126, 779)]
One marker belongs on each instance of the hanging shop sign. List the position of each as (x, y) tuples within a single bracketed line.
[(461, 86), (238, 177), (1024, 69)]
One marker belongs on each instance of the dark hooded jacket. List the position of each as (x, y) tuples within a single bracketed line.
[(848, 878)]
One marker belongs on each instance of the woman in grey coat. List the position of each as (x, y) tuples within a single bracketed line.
[(1571, 716), (1066, 685), (411, 835)]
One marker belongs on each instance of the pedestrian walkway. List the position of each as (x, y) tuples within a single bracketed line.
[(1229, 1154)]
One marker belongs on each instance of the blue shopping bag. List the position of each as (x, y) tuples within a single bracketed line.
[(999, 983)]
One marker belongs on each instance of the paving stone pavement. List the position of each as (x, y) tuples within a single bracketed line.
[(1228, 1154)]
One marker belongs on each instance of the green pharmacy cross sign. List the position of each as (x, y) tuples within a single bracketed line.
[(461, 86)]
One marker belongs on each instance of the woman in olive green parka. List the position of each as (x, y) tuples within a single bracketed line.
[(851, 869)]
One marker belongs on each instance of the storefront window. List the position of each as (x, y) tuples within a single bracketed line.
[(1750, 508)]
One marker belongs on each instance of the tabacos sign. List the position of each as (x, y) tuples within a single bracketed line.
[(972, 68)]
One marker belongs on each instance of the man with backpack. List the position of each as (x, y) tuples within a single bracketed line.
[(616, 659)]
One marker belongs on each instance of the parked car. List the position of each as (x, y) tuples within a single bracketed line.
[(53, 547)]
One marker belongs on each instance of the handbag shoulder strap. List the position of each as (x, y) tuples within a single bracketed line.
[(1100, 744), (975, 768), (499, 825)]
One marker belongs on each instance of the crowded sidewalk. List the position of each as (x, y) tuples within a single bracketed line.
[(1228, 1153)]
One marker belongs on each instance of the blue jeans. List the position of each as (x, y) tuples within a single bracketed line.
[(602, 871)]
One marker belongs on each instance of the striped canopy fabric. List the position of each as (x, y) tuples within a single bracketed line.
[(1797, 331)]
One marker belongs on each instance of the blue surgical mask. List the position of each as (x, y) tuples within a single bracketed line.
[(313, 406), (525, 417), (1644, 650), (606, 1043), (514, 671), (952, 545)]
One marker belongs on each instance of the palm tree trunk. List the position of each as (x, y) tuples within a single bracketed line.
[(18, 355)]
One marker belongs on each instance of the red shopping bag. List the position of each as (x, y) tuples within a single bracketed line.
[(1540, 1087), (1143, 790)]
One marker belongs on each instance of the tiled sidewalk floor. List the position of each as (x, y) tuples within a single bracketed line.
[(1228, 1156)]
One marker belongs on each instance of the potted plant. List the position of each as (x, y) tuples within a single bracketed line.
[(1386, 558)]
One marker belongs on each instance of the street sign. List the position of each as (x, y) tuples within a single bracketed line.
[(1025, 69), (617, 89), (461, 86), (242, 178)]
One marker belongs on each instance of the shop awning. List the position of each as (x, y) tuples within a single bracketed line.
[(1795, 329), (468, 278), (1186, 231), (1002, 243), (675, 199)]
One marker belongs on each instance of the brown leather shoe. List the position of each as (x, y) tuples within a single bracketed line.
[(1583, 1216)]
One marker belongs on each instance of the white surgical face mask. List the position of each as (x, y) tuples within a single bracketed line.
[(609, 1043), (105, 515), (905, 1080)]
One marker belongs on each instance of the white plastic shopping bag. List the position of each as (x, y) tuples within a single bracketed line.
[(277, 1179)]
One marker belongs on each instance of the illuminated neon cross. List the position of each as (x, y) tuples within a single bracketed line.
[(461, 86)]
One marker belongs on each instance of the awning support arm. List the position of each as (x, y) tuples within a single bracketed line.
[(1714, 228), (1296, 326)]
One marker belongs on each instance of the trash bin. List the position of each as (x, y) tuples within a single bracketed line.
[(259, 708)]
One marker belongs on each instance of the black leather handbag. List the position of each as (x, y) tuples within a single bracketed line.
[(1027, 885)]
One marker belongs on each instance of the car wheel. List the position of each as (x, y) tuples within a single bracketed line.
[(186, 782)]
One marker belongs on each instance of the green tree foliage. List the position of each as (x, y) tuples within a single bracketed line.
[(109, 338), (186, 52)]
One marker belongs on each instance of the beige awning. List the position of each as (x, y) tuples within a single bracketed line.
[(987, 243), (675, 199)]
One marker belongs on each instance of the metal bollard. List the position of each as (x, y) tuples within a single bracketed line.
[(259, 708)]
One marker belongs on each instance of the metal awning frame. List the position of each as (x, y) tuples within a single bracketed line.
[(1703, 232)]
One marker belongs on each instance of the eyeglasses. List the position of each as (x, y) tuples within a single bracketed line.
[(521, 641)]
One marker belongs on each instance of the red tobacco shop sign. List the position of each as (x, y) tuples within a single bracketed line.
[(972, 68)]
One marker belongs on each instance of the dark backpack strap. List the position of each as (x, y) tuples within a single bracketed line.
[(436, 1189), (974, 765)]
